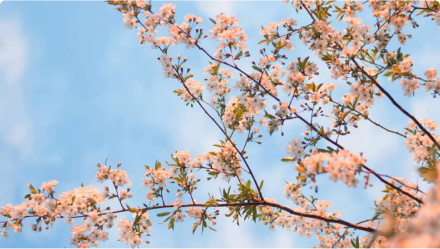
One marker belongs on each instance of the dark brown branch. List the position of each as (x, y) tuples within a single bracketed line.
[(255, 203), (374, 81)]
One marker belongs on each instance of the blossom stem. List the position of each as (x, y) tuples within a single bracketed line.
[(117, 195), (367, 118)]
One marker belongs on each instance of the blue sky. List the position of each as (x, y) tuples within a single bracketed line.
[(76, 88)]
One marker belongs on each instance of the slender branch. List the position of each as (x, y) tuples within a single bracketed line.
[(406, 185), (227, 136), (247, 139), (373, 80), (367, 118), (161, 196), (223, 131), (117, 195), (308, 11)]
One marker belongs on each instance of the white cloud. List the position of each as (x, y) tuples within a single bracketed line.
[(372, 141), (13, 50), (214, 8), (18, 134), (195, 130), (15, 124), (425, 108)]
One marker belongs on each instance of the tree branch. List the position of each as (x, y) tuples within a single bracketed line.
[(373, 80), (254, 203)]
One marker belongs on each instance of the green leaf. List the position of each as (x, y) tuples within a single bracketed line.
[(171, 224), (138, 218), (239, 55), (158, 165), (213, 21), (32, 189), (163, 214), (355, 244), (132, 210), (375, 217), (288, 159), (267, 115), (254, 214)]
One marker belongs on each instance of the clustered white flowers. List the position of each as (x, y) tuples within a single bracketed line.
[(419, 143), (295, 148), (342, 165), (228, 32)]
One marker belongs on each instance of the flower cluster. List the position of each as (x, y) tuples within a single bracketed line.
[(226, 162), (363, 93), (118, 177), (195, 88), (419, 143), (228, 32), (47, 208), (422, 226), (167, 66), (194, 212), (128, 236), (432, 83), (87, 234), (409, 86), (217, 82), (342, 165), (295, 148)]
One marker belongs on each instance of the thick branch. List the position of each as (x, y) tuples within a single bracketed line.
[(254, 203)]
